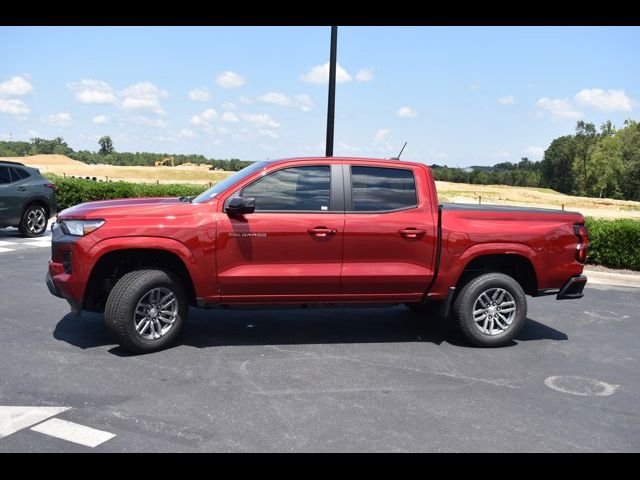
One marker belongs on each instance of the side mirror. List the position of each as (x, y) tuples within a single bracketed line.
[(241, 205)]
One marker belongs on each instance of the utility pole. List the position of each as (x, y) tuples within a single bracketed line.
[(331, 104)]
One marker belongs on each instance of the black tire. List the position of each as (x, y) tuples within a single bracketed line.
[(124, 299), (31, 228), (463, 309)]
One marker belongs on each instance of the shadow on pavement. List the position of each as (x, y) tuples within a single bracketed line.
[(211, 328)]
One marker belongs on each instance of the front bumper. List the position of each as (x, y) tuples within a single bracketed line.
[(573, 288), (54, 290)]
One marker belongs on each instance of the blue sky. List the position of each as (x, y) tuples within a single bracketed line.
[(459, 95)]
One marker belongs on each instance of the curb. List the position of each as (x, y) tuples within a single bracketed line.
[(605, 278)]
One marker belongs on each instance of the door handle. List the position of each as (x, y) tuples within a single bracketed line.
[(21, 189), (321, 231), (412, 232)]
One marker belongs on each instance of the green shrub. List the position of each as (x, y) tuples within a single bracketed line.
[(70, 192), (614, 243)]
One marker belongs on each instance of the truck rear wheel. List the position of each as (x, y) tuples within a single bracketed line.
[(490, 310), (145, 310)]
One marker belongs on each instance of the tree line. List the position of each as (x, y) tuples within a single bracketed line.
[(590, 163), (107, 154)]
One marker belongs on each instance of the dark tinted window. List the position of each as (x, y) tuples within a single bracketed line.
[(4, 175), (18, 174), (296, 188), (378, 189)]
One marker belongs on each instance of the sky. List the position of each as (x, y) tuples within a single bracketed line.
[(459, 96)]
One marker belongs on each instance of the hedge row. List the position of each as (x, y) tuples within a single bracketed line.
[(70, 192), (614, 243)]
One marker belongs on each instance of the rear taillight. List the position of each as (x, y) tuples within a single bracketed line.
[(50, 185), (582, 233)]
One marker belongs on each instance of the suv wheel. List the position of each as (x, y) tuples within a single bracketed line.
[(34, 221), (491, 309), (145, 310)]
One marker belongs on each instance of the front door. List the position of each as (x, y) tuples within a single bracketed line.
[(390, 234), (290, 248), (11, 197)]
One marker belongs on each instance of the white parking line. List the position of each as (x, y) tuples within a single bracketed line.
[(2, 249), (73, 432), (13, 419), (4, 243)]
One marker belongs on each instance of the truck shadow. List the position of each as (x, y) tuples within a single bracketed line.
[(214, 328)]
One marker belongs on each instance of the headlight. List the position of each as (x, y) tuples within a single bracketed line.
[(80, 227)]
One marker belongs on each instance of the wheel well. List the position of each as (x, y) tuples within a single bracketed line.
[(113, 265), (516, 266), (41, 203)]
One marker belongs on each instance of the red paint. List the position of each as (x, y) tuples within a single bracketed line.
[(321, 257)]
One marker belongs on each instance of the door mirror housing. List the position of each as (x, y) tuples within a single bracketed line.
[(241, 205)]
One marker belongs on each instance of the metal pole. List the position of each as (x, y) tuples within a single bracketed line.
[(331, 104)]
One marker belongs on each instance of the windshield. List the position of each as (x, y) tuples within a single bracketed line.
[(229, 182)]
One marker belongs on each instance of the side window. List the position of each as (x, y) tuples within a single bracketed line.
[(292, 189), (377, 189), (18, 174), (4, 175)]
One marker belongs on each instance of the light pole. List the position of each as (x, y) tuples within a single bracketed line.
[(331, 104)]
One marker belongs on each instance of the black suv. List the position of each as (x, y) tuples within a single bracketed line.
[(26, 199)]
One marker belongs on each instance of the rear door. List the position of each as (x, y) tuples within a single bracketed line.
[(390, 232), (12, 195), (290, 248)]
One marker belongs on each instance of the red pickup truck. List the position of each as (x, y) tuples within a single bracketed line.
[(313, 231)]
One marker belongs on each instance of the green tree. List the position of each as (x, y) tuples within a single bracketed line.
[(605, 168), (556, 164), (586, 136), (106, 145)]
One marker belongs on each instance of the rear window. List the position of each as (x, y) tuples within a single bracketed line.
[(18, 174), (376, 189), (4, 175)]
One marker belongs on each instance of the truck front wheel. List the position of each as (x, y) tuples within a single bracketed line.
[(490, 310), (145, 310)]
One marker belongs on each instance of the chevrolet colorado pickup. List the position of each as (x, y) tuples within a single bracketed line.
[(313, 231)]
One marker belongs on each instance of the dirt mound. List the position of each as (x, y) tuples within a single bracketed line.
[(44, 161)]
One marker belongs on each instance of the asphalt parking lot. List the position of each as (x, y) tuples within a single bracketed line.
[(316, 379)]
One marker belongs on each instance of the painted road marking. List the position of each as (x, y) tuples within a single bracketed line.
[(40, 243), (73, 432), (4, 243), (13, 419), (3, 249)]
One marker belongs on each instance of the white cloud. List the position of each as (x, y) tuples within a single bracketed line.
[(13, 107), (508, 100), (229, 117), (247, 100), (301, 101), (609, 101), (304, 102), (230, 79), (151, 122), (16, 86), (559, 109), (260, 119), (143, 96), (61, 119), (277, 99), (346, 147), (536, 152), (381, 135), (319, 75), (204, 118), (185, 132), (406, 112), (364, 75), (200, 94), (101, 120), (263, 132), (92, 91), (229, 106)]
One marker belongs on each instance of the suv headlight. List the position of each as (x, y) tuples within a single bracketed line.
[(80, 227)]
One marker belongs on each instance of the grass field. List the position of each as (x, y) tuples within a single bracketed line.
[(447, 191)]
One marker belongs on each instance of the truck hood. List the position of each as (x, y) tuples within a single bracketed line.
[(129, 207)]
